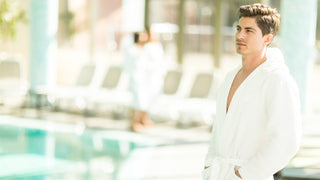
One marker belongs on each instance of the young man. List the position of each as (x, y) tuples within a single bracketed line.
[(257, 130)]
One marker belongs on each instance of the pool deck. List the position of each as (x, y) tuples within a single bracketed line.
[(181, 153)]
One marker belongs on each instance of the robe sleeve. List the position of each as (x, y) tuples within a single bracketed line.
[(283, 129), (211, 150)]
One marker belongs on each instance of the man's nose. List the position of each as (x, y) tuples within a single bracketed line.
[(239, 35)]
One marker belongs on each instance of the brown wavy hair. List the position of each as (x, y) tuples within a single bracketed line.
[(268, 19)]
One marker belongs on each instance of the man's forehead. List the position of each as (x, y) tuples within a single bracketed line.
[(248, 22)]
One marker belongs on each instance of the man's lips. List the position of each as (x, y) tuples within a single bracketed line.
[(240, 44)]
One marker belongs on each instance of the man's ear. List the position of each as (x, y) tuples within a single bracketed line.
[(268, 38)]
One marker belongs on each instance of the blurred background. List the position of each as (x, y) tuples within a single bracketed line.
[(65, 98)]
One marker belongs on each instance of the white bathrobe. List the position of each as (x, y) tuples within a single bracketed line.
[(261, 131), (145, 68)]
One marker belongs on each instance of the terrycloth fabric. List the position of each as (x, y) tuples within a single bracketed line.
[(262, 126)]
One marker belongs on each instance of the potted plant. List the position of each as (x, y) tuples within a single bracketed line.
[(10, 15)]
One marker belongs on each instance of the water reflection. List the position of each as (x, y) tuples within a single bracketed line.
[(60, 152)]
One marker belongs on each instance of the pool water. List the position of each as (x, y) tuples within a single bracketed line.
[(37, 149)]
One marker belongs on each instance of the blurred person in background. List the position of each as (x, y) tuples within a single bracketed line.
[(257, 130), (154, 73), (144, 64)]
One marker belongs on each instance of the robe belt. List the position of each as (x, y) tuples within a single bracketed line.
[(218, 161)]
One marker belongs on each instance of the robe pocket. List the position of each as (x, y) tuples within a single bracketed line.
[(206, 173)]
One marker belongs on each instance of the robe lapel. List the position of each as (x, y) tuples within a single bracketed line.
[(227, 90), (238, 92)]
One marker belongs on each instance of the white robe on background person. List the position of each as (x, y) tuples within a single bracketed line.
[(261, 131), (153, 74), (145, 68)]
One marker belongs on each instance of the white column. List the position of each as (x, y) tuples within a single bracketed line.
[(297, 42), (43, 42), (133, 15)]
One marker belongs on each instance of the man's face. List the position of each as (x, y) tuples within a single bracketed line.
[(143, 37), (249, 37)]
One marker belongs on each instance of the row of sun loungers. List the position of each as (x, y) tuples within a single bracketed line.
[(112, 97), (183, 99)]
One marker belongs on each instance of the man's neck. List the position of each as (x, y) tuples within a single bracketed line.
[(251, 62)]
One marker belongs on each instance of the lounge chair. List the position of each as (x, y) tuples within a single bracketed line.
[(13, 88), (71, 98), (164, 107), (200, 106), (112, 96)]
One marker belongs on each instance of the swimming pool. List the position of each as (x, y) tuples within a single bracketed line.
[(37, 149)]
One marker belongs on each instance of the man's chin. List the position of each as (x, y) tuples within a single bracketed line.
[(239, 51)]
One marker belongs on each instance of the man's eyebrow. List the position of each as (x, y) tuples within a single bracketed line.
[(248, 28)]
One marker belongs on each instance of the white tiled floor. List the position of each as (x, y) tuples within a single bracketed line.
[(180, 162)]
